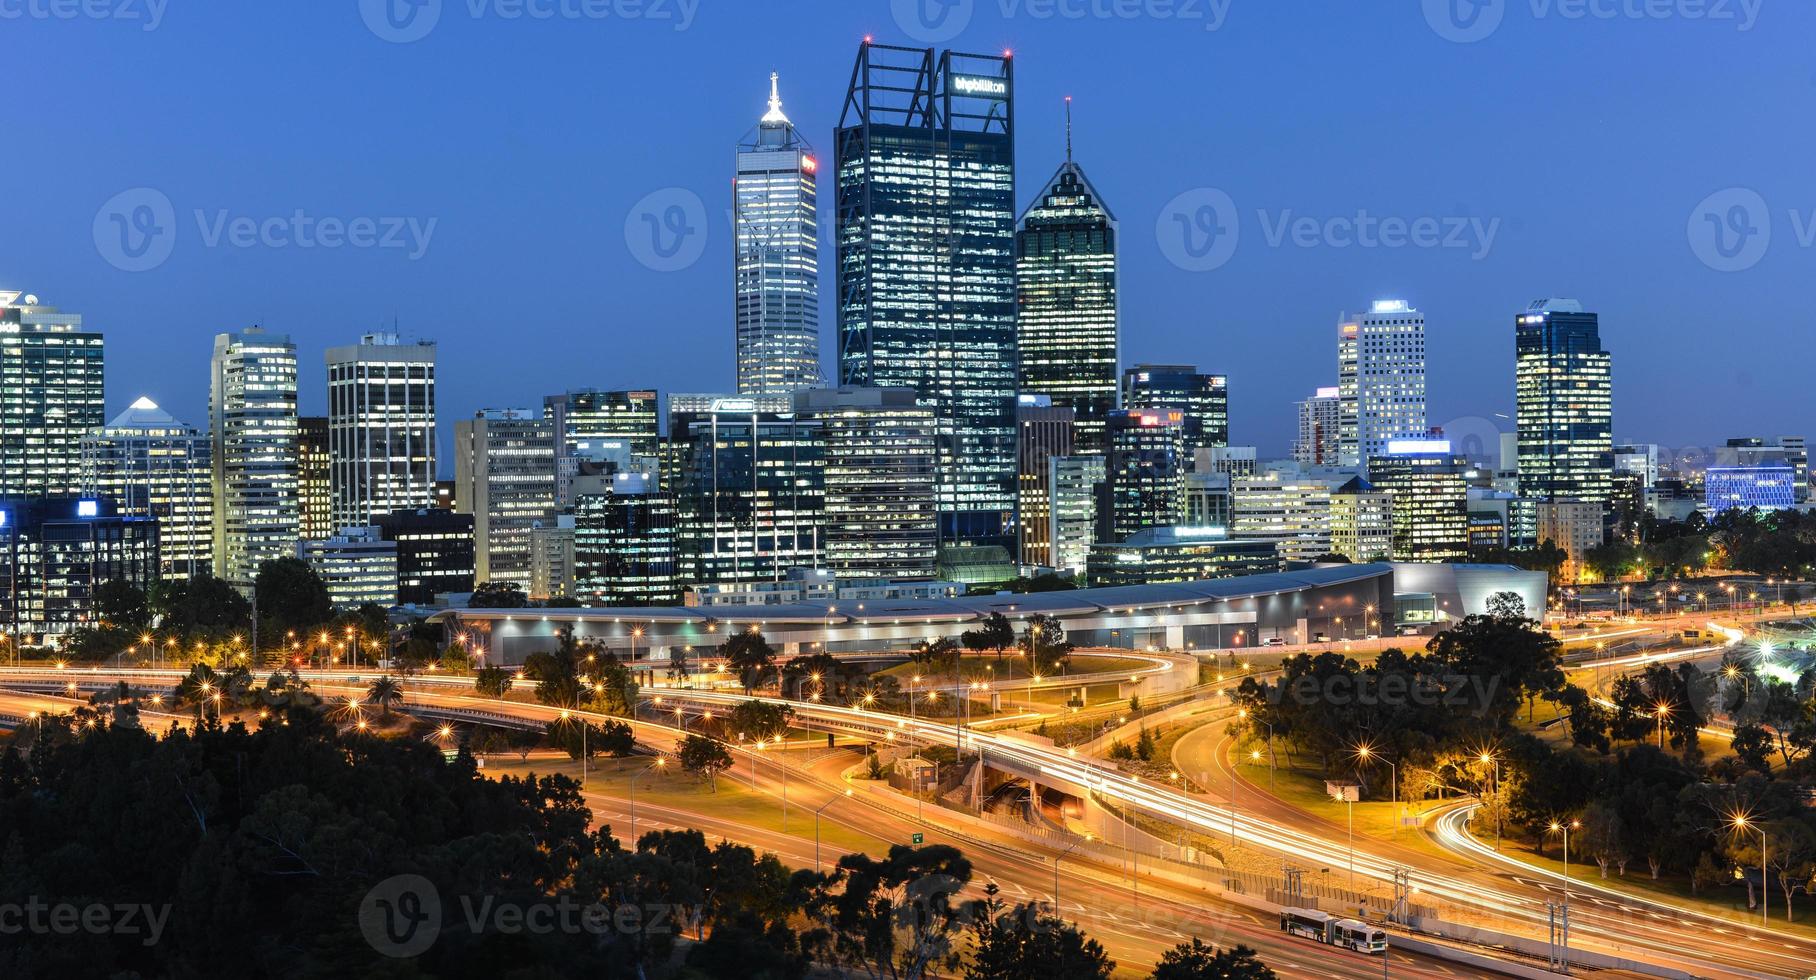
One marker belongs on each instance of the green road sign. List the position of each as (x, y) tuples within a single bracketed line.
[(920, 838)]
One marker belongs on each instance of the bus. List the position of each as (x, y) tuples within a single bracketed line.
[(1324, 928)]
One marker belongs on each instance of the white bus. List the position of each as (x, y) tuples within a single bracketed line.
[(1323, 928)]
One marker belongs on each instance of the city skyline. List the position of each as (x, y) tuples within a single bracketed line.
[(1253, 327)]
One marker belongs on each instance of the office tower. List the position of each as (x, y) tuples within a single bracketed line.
[(358, 567), (592, 426), (1381, 380), (151, 465), (1797, 452), (1066, 319), (750, 499), (1361, 521), (1753, 474), (56, 551), (1072, 508), (252, 420), (1575, 526), (51, 395), (624, 542), (1564, 388), (1043, 432), (381, 427), (1207, 499), (1430, 500), (1294, 515), (880, 516), (776, 228), (1320, 429), (444, 494), (926, 238), (1204, 398), (315, 478), (552, 559), (1144, 482), (434, 553), (504, 475)]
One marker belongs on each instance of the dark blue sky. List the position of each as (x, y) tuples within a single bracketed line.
[(1588, 144)]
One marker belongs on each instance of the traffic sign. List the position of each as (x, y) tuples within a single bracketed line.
[(920, 838)]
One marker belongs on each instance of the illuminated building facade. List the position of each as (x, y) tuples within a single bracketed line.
[(880, 519), (504, 475), (1293, 515), (620, 429), (624, 542), (151, 465), (434, 552), (381, 427), (1430, 516), (1564, 388), (1361, 521), (1161, 555), (1320, 440), (358, 567), (56, 551), (1144, 473), (1066, 327), (1043, 433), (1204, 398), (926, 239), (253, 423), (1381, 380), (51, 395), (777, 233), (314, 478), (751, 498), (1074, 482)]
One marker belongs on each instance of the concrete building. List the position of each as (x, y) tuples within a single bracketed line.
[(622, 429), (381, 427), (1577, 527), (358, 566), (1320, 440), (1293, 515), (151, 465), (819, 587), (1381, 380), (52, 394), (1361, 521), (1072, 509), (1179, 554), (504, 475), (1430, 500), (552, 559), (1044, 432), (253, 423)]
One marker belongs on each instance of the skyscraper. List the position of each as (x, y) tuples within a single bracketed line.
[(624, 542), (314, 478), (751, 493), (1320, 429), (1430, 499), (381, 427), (1204, 398), (880, 517), (51, 395), (1066, 318), (926, 236), (1044, 432), (1293, 514), (1361, 521), (504, 475), (602, 427), (252, 420), (1144, 473), (1381, 372), (1564, 388), (777, 235), (151, 465)]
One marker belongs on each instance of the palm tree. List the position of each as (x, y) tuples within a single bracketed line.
[(385, 692)]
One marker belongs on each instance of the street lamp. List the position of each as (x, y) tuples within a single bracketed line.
[(816, 829), (1488, 758), (1365, 753), (660, 763), (1565, 829), (1741, 823)]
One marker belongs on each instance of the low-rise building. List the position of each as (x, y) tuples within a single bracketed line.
[(358, 566), (56, 551), (1179, 554)]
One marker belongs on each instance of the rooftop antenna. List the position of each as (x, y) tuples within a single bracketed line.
[(1068, 129)]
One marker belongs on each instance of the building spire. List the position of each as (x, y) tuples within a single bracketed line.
[(1068, 129), (775, 116)]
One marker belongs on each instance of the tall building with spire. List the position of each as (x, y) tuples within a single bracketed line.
[(1067, 287), (926, 236), (776, 230)]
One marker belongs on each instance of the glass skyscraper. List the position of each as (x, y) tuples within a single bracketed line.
[(252, 418), (381, 427), (151, 465), (51, 395), (1066, 329), (751, 493), (926, 237), (1564, 387), (777, 228), (1204, 398)]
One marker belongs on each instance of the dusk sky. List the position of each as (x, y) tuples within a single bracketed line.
[(1565, 153)]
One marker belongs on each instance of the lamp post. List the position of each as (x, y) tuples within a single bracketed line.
[(660, 763), (1565, 829), (1366, 753), (1663, 710), (816, 830), (1741, 823), (1488, 758), (1056, 859)]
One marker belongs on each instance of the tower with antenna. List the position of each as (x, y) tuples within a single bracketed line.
[(776, 265)]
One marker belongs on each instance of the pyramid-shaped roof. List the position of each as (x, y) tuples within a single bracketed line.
[(145, 414)]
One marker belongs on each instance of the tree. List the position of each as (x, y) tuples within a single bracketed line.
[(704, 757), (1198, 961), (1022, 944), (1045, 643), (577, 738), (291, 597), (385, 692), (997, 634), (1614, 560), (895, 916), (121, 605), (759, 721), (1604, 836), (748, 653), (492, 682), (938, 655), (499, 595)]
